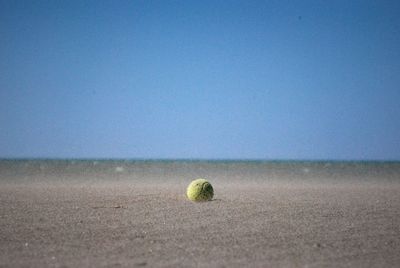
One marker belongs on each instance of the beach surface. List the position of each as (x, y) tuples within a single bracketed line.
[(137, 215)]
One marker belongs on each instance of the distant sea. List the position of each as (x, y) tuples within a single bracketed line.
[(30, 170)]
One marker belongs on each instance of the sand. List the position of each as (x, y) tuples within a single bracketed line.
[(122, 224)]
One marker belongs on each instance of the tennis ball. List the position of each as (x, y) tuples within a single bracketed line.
[(200, 190)]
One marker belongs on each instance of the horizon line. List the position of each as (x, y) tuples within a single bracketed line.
[(171, 159)]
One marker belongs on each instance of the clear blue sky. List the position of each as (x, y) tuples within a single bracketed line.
[(200, 79)]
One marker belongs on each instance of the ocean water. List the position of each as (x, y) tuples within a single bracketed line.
[(26, 171)]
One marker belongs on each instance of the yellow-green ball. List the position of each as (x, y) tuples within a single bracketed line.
[(200, 190)]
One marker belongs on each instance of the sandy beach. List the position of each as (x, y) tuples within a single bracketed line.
[(149, 223)]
